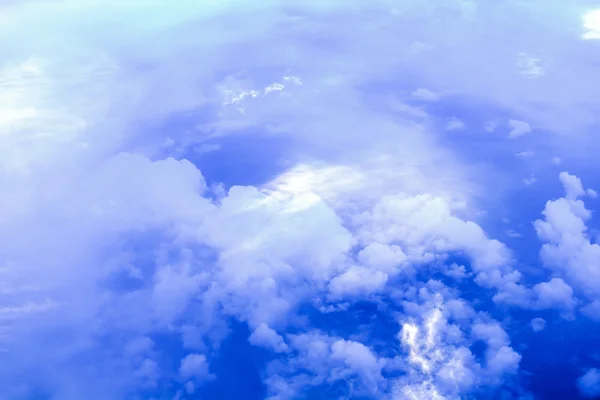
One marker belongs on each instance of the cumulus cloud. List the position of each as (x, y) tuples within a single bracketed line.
[(568, 250), (591, 23), (381, 257), (440, 363), (572, 185), (357, 280), (589, 383), (554, 294), (538, 324), (427, 229), (318, 359), (500, 357), (267, 337), (114, 241), (455, 124), (425, 95), (194, 366), (518, 128)]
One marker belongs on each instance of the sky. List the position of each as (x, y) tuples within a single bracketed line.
[(299, 199)]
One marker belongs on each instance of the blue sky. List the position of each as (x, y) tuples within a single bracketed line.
[(299, 199)]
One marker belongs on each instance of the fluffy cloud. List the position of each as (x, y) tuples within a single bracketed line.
[(572, 185), (553, 294), (357, 280), (318, 359), (569, 252), (518, 128), (538, 324), (427, 228), (194, 366), (440, 363), (589, 383), (455, 124), (267, 337), (425, 95), (107, 241), (500, 357)]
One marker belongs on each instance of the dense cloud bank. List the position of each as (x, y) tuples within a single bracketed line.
[(292, 200)]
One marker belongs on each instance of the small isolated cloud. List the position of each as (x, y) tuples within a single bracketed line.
[(512, 233), (455, 124), (592, 193), (525, 154), (530, 180), (556, 161), (407, 110), (518, 128), (490, 126), (589, 383), (425, 95), (538, 324)]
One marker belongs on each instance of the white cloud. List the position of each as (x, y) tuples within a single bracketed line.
[(357, 281), (317, 358), (518, 128), (589, 383), (568, 250), (525, 154), (426, 228), (538, 324), (455, 124), (194, 366), (457, 272), (359, 358), (425, 95), (513, 234), (173, 289), (271, 252), (490, 126), (554, 294), (572, 185), (591, 24), (440, 364), (381, 257), (500, 357), (530, 181), (130, 242), (530, 66), (556, 160), (592, 310), (268, 338)]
